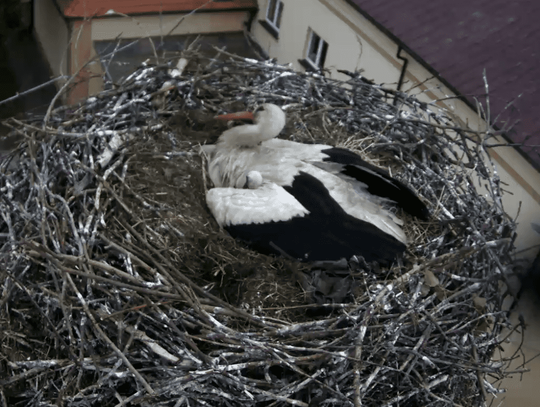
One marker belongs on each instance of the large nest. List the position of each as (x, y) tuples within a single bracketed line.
[(119, 288)]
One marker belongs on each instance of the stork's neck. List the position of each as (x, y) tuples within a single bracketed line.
[(251, 135)]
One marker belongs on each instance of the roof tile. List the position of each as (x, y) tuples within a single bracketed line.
[(461, 38)]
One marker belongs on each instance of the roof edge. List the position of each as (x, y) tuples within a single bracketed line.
[(409, 51), (69, 12), (103, 16)]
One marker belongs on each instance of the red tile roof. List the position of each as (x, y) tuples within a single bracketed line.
[(461, 38), (96, 8)]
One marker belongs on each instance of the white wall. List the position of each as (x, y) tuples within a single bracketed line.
[(53, 35), (145, 26), (350, 47), (355, 43)]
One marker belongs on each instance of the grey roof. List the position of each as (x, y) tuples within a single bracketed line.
[(460, 39)]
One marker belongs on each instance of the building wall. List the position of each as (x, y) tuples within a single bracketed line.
[(350, 47), (169, 24), (356, 44), (86, 32), (53, 35)]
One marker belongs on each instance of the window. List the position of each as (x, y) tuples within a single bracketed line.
[(316, 52), (272, 21), (273, 13)]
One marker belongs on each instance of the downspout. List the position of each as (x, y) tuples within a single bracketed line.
[(252, 15), (403, 70)]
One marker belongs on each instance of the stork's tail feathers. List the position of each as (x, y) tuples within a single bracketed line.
[(378, 182)]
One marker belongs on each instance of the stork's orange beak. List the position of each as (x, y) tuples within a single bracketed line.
[(236, 116)]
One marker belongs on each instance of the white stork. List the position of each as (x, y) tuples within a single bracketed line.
[(308, 201)]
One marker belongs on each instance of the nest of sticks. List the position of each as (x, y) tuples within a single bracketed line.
[(118, 288)]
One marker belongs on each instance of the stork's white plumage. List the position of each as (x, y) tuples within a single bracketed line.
[(311, 201)]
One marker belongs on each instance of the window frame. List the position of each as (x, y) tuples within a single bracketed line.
[(273, 25), (278, 12), (322, 52)]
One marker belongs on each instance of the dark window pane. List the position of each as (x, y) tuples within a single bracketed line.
[(271, 13), (323, 54), (280, 11), (313, 47)]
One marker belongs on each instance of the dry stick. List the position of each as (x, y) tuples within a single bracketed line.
[(46, 131), (26, 92), (107, 186), (68, 319), (205, 358), (433, 383), (300, 371), (113, 282), (277, 397), (106, 338), (7, 292), (84, 260), (62, 89), (122, 249), (479, 374), (43, 315), (23, 376), (129, 399), (265, 362)]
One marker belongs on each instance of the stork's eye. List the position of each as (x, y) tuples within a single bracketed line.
[(259, 109)]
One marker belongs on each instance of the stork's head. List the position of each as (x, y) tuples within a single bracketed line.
[(268, 121)]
